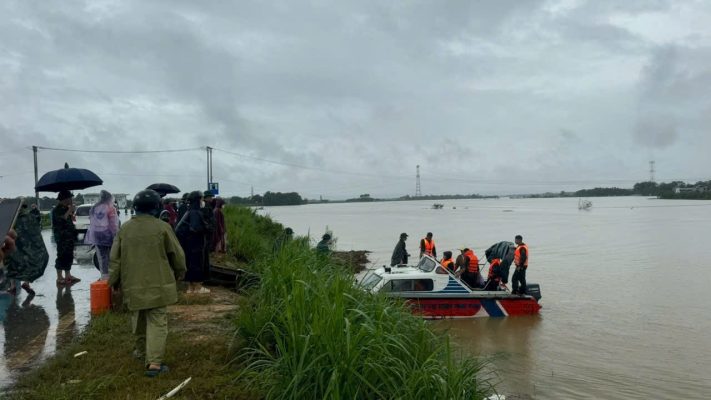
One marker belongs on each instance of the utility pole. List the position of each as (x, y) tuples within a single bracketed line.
[(651, 171), (209, 166), (34, 153), (418, 189)]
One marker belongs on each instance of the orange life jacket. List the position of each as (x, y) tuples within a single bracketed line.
[(448, 263), (517, 256), (473, 262), (494, 263), (429, 246)]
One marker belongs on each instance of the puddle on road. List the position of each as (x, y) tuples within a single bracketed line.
[(33, 328)]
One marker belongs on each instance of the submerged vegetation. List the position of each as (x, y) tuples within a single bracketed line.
[(305, 330)]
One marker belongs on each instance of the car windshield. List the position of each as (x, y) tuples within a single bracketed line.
[(370, 280), (426, 264), (83, 211)]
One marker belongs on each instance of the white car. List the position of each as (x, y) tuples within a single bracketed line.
[(81, 218)]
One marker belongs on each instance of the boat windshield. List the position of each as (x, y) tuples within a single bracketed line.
[(426, 264), (370, 281)]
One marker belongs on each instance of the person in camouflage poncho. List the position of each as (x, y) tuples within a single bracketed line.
[(65, 236), (30, 259)]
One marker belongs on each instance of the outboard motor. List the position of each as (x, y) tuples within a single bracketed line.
[(534, 290)]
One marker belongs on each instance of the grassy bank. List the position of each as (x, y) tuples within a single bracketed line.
[(198, 346), (303, 330)]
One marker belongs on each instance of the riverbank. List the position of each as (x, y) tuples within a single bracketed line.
[(201, 332), (299, 329)]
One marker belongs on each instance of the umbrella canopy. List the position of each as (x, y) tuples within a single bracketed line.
[(67, 179), (163, 188)]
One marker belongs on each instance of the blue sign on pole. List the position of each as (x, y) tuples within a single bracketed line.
[(214, 188)]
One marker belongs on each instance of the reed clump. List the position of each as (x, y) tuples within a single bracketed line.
[(308, 331)]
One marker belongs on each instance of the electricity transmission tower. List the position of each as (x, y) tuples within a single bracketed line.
[(418, 190), (651, 171)]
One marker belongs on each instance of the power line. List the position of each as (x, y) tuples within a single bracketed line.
[(121, 151), (307, 167)]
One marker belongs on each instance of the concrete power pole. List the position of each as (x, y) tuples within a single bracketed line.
[(34, 152)]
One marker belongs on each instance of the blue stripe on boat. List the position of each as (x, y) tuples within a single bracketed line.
[(492, 308)]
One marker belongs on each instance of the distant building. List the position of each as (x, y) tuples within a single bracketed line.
[(692, 189), (93, 198)]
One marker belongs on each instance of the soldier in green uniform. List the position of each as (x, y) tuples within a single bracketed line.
[(65, 236)]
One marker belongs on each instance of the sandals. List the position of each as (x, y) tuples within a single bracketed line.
[(73, 279), (60, 281), (152, 373)]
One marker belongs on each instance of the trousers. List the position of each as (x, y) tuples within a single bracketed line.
[(519, 277), (150, 327)]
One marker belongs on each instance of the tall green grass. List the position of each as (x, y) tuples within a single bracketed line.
[(250, 237), (309, 332)]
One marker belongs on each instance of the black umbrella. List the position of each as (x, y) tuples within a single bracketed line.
[(67, 179), (163, 188)]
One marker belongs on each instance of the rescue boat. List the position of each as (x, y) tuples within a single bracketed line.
[(434, 292)]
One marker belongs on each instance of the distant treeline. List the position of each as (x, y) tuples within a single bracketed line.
[(269, 199), (668, 190), (447, 197)]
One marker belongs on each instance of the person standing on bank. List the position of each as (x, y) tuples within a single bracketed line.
[(65, 236), (400, 253), (208, 215), (220, 239), (427, 246), (103, 227), (146, 262), (521, 256), (324, 246), (191, 234)]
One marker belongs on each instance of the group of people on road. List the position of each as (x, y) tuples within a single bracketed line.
[(466, 266), (144, 258)]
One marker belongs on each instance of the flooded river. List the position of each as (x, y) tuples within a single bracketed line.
[(624, 312)]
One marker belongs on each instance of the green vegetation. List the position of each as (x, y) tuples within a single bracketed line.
[(308, 332), (304, 330), (269, 199), (109, 371)]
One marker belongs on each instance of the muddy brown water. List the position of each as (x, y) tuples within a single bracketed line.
[(625, 305)]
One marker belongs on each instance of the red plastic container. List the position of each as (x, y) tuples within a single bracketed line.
[(100, 295)]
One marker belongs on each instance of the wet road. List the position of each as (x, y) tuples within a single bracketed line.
[(32, 328)]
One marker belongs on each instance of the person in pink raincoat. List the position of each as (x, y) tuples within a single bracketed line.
[(103, 226)]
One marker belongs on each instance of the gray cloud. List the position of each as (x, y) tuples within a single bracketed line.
[(475, 92)]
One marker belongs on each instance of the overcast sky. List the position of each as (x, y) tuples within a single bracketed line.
[(486, 96)]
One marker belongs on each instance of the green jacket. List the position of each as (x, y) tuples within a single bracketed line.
[(146, 260)]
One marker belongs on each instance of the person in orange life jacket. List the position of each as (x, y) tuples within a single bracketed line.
[(468, 267), (521, 256), (493, 279), (427, 246), (447, 261)]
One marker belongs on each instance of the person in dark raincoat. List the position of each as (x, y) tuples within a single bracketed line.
[(65, 236), (35, 212), (324, 246), (183, 207), (400, 253), (208, 215), (191, 234), (30, 259)]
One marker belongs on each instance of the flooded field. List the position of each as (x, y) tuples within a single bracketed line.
[(624, 312)]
